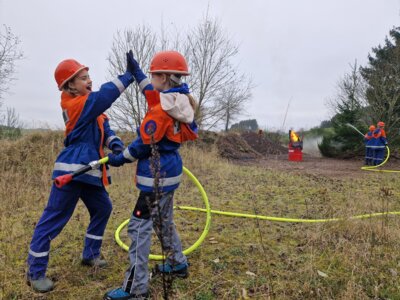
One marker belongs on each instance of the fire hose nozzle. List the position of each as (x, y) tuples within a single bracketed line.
[(62, 180)]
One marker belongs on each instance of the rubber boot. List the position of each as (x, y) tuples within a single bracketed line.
[(95, 262), (120, 294), (180, 270), (41, 285)]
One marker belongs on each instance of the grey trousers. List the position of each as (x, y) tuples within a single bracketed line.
[(146, 216)]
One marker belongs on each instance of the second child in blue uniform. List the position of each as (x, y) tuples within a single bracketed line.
[(168, 123)]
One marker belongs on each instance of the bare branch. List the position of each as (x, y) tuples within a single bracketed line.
[(9, 54), (220, 89), (215, 79), (128, 111)]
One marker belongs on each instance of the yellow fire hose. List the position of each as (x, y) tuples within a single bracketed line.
[(375, 168), (288, 220), (208, 212), (200, 239)]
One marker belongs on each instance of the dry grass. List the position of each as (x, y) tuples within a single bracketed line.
[(360, 258)]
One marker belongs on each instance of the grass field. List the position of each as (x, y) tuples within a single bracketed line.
[(240, 258)]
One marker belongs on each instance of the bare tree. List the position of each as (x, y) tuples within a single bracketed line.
[(9, 54), (12, 118), (128, 111), (210, 52), (10, 124), (232, 104), (215, 81)]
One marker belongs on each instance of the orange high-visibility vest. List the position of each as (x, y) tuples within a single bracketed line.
[(157, 123), (72, 109)]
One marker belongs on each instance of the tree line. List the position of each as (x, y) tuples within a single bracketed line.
[(216, 82), (365, 95)]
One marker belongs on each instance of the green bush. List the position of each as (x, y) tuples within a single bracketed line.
[(10, 132)]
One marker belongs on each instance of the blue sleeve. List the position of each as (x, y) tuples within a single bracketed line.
[(194, 128), (111, 140), (137, 150), (98, 102), (142, 81)]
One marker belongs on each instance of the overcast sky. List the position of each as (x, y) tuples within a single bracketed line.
[(292, 49)]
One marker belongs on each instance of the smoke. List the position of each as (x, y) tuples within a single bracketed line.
[(310, 145)]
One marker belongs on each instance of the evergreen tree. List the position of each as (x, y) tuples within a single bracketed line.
[(344, 141), (383, 77)]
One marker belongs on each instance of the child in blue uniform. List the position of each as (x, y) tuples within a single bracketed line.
[(87, 132), (168, 123), (380, 143), (369, 142)]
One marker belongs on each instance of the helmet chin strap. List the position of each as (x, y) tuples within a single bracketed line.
[(72, 91), (175, 79)]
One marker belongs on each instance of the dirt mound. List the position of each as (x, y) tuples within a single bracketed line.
[(233, 146), (205, 140), (263, 144), (240, 146)]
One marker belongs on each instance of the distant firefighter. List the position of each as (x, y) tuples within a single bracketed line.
[(379, 144), (260, 134), (369, 143)]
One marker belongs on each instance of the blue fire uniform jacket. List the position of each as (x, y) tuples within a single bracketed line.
[(88, 130), (379, 145), (168, 131), (369, 143), (380, 140), (369, 139)]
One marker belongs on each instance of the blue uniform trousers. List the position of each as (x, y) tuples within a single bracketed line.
[(59, 209), (146, 217), (379, 154), (369, 155)]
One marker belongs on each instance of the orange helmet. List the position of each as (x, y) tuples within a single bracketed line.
[(66, 70), (170, 62), (381, 124), (372, 128)]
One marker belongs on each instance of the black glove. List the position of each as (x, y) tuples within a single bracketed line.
[(131, 64), (116, 160), (117, 149)]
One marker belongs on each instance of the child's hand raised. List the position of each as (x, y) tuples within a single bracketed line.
[(131, 64)]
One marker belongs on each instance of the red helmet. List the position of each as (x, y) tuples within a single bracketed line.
[(170, 62), (381, 124), (372, 128), (66, 70)]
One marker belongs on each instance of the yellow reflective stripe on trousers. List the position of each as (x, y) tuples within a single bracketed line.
[(94, 237), (38, 254), (146, 181)]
